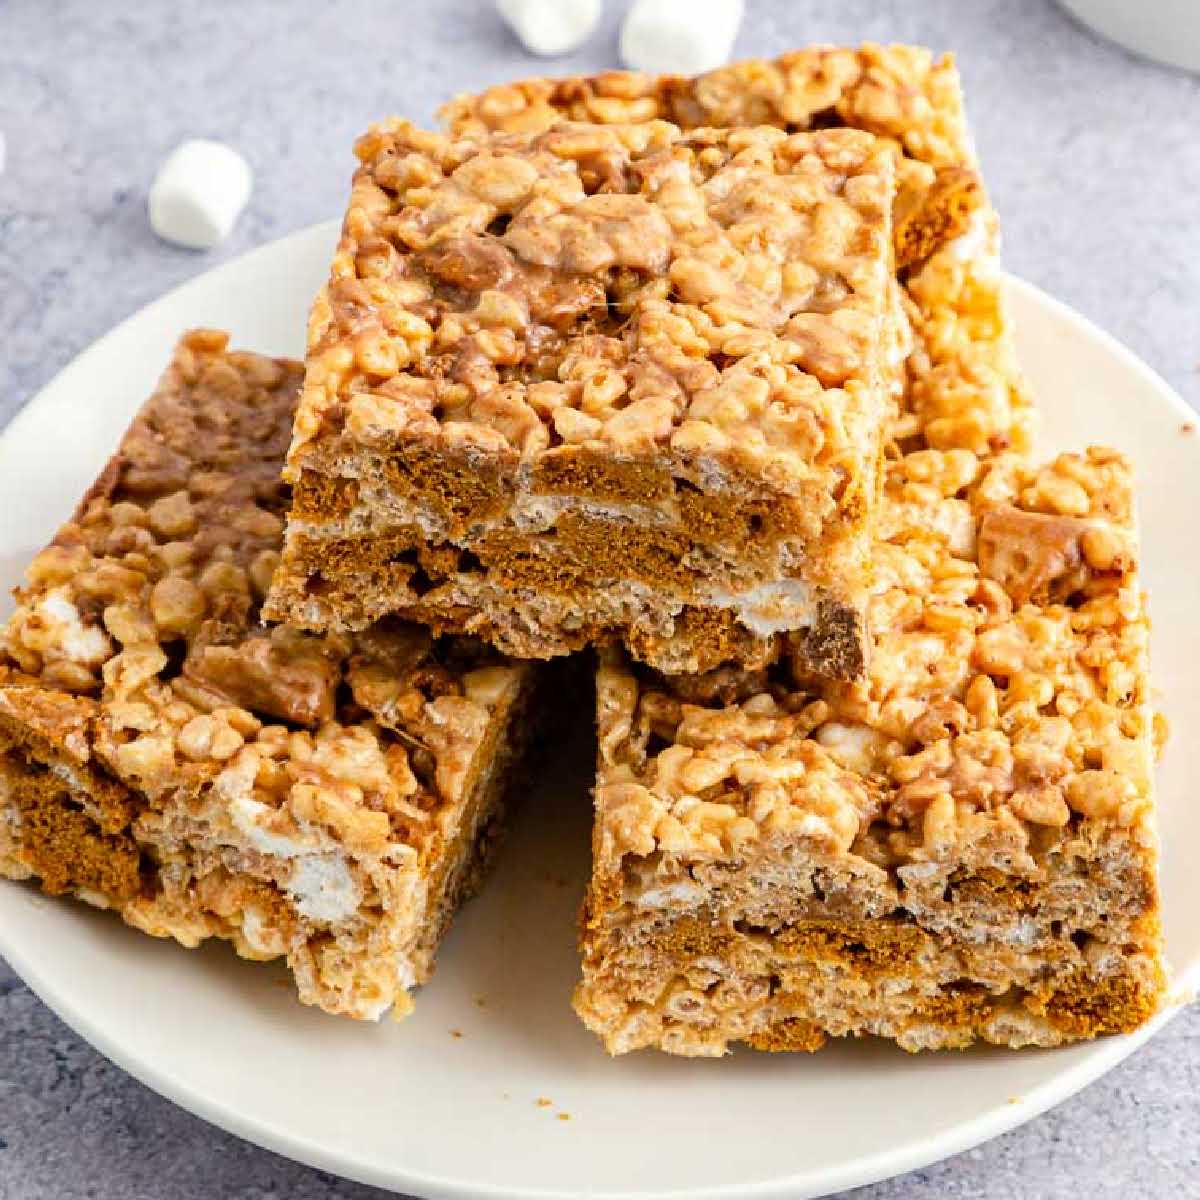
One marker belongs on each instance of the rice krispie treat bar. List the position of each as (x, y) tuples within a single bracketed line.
[(163, 754), (960, 847), (598, 383)]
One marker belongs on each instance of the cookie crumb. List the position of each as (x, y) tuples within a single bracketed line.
[(1188, 427), (564, 1116), (456, 1033), (544, 1102)]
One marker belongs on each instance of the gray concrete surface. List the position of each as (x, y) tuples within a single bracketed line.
[(1094, 161)]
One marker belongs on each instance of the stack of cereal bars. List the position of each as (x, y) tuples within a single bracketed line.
[(712, 376)]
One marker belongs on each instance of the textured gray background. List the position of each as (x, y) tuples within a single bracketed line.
[(1094, 161)]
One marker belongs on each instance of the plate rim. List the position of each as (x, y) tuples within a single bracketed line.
[(859, 1172), (918, 1152)]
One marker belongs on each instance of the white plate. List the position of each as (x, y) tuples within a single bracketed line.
[(416, 1107)]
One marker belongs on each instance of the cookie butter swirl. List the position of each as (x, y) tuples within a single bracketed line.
[(631, 287)]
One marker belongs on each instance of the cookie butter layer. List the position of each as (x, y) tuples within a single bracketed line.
[(960, 846), (163, 754), (587, 354)]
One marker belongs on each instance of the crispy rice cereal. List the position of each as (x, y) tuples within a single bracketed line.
[(963, 389), (899, 93)]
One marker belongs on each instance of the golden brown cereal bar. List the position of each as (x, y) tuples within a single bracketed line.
[(322, 799), (596, 383), (959, 847)]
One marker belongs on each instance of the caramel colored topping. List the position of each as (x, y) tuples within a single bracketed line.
[(631, 289)]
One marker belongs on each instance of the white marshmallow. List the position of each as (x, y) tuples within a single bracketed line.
[(551, 27), (323, 888), (198, 194), (679, 37)]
